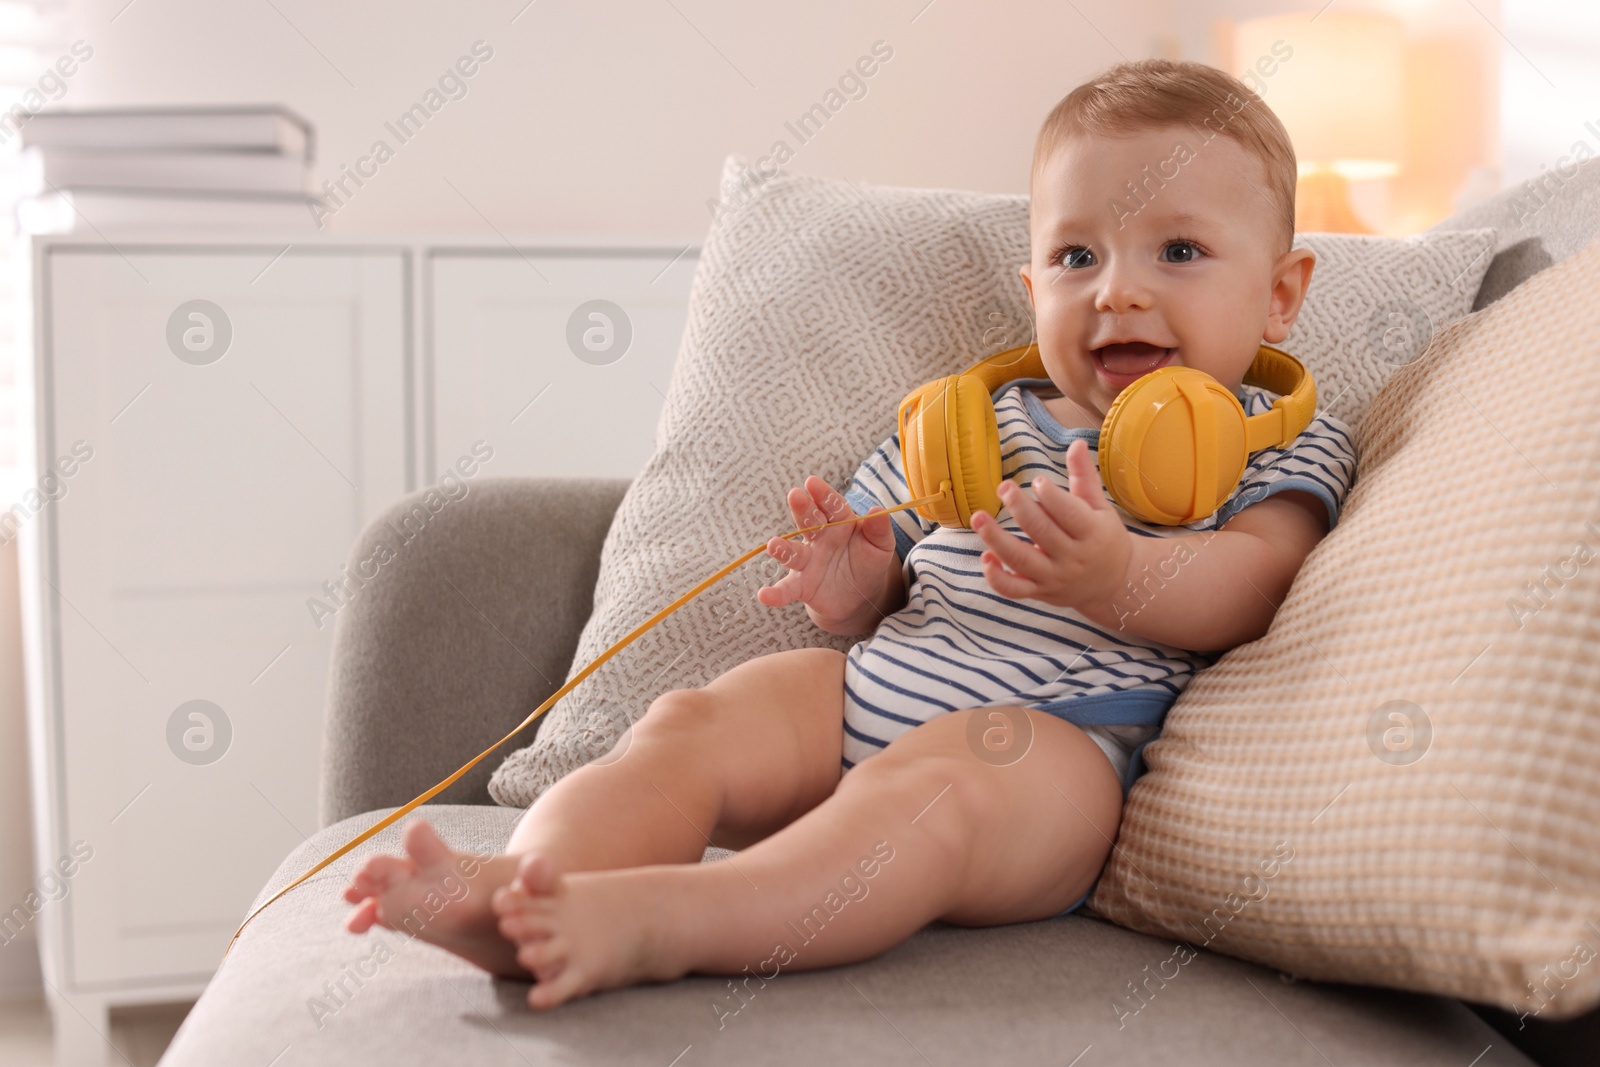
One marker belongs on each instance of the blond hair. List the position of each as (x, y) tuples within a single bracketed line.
[(1148, 93)]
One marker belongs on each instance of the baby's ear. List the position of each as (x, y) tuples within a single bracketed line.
[(1291, 277)]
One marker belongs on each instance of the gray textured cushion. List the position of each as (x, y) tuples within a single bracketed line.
[(1031, 993), (457, 638), (1536, 224)]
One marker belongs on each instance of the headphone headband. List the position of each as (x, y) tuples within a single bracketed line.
[(1277, 371)]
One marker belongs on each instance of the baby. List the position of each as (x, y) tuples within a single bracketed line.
[(969, 759)]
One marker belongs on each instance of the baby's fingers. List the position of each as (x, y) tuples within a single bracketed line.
[(780, 593), (794, 555), (1084, 476), (830, 504), (878, 529), (801, 506), (805, 511), (790, 551)]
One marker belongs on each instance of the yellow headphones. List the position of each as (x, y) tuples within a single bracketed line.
[(1165, 462)]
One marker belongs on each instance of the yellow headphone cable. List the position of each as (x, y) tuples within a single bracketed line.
[(387, 820)]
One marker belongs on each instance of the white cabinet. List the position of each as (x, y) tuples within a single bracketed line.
[(557, 358), (232, 414), (230, 420)]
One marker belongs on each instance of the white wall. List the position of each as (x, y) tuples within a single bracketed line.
[(613, 118), (1551, 100)]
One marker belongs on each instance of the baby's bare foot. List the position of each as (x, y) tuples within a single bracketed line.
[(439, 895), (588, 931)]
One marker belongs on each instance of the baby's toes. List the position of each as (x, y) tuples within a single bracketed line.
[(525, 924), (545, 957), (424, 845), (507, 900), (362, 916), (377, 876), (556, 987)]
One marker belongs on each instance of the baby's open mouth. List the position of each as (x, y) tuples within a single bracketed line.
[(1131, 358)]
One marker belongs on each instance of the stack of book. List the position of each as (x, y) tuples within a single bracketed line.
[(158, 170)]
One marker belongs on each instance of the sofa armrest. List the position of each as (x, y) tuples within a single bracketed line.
[(460, 617)]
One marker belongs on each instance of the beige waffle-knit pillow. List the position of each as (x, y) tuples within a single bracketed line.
[(1399, 784), (817, 304)]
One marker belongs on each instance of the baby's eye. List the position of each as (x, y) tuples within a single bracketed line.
[(1075, 256), (1189, 247)]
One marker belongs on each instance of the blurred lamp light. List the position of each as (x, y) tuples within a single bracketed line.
[(1340, 96)]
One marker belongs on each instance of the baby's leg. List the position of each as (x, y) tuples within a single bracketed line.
[(925, 830), (728, 764), (725, 764)]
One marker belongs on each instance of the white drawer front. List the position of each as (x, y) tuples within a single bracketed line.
[(220, 496)]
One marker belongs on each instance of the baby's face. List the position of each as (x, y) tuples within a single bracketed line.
[(1194, 276)]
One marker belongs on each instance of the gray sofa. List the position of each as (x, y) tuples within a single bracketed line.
[(477, 623)]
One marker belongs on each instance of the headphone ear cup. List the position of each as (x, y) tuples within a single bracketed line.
[(923, 451), (948, 434), (1172, 447), (975, 439)]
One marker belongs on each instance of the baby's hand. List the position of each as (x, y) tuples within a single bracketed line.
[(834, 570), (1080, 551)]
